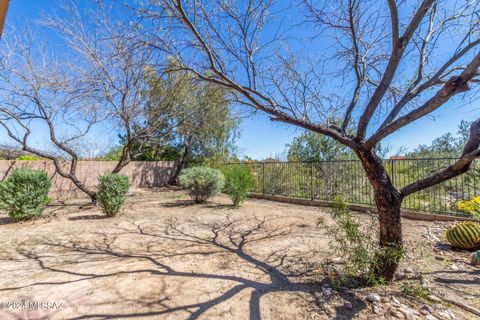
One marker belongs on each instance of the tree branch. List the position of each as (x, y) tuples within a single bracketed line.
[(455, 85), (471, 151), (393, 62)]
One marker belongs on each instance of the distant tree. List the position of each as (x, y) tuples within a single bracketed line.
[(312, 147), (204, 125), (447, 145)]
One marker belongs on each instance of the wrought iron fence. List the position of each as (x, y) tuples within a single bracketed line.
[(326, 179)]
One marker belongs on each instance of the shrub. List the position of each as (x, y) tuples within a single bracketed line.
[(24, 193), (112, 192), (202, 182), (355, 245), (416, 289), (471, 206), (29, 157), (464, 235), (238, 182)]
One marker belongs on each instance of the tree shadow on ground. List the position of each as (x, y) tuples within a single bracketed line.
[(179, 204), (89, 217), (193, 238)]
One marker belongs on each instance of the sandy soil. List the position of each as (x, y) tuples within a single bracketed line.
[(164, 258)]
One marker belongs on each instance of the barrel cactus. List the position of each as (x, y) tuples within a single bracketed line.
[(464, 235)]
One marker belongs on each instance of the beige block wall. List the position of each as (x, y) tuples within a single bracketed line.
[(142, 174)]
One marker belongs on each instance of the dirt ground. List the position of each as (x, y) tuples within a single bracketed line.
[(165, 258)]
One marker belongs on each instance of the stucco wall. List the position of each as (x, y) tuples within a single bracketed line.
[(141, 174)]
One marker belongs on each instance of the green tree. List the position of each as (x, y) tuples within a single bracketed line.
[(313, 147), (200, 124), (447, 145)]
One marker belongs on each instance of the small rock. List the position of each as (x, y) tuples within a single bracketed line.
[(350, 293), (440, 258), (424, 312), (450, 314), (409, 313), (434, 298), (377, 309), (430, 317), (400, 275), (373, 297), (337, 260), (327, 292), (454, 267), (408, 270), (443, 315), (428, 308), (396, 314), (395, 302), (348, 305), (385, 299)]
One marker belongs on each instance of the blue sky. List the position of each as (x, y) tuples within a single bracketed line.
[(260, 137)]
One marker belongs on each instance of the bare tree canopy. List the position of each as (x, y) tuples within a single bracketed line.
[(118, 66), (378, 65), (39, 90)]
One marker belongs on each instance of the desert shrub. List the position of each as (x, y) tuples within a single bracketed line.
[(464, 235), (202, 182), (24, 193), (274, 179), (238, 182), (416, 289), (471, 206), (356, 246), (112, 192), (29, 157)]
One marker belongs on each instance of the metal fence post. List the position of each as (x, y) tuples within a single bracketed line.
[(392, 175), (263, 178), (311, 180)]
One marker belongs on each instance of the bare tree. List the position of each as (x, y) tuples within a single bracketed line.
[(119, 68), (39, 92), (380, 64)]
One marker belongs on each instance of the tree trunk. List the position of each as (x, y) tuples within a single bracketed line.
[(388, 201), (124, 158), (181, 164)]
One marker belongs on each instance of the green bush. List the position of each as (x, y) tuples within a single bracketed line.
[(238, 182), (24, 193), (202, 182), (355, 244), (112, 192), (471, 206)]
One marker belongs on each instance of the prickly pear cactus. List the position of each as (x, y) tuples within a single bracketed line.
[(464, 235)]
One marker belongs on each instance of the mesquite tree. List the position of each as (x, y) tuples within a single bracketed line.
[(380, 65), (40, 92), (204, 126), (119, 68)]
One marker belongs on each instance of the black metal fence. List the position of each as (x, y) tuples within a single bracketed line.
[(326, 179)]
